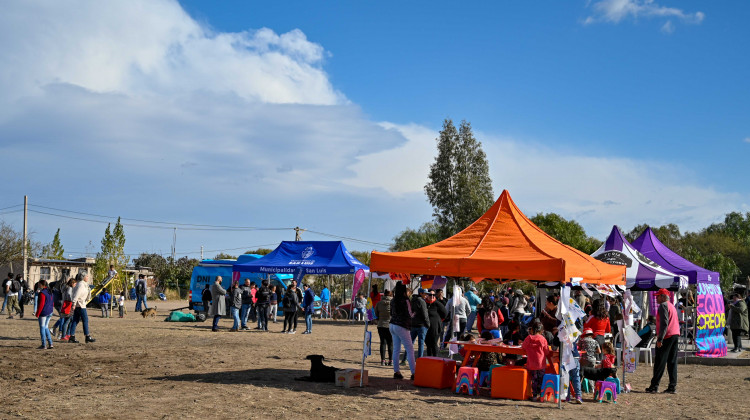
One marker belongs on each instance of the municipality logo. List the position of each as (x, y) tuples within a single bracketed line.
[(308, 252)]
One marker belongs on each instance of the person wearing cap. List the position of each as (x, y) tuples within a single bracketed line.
[(474, 300), (589, 348), (420, 320), (667, 334)]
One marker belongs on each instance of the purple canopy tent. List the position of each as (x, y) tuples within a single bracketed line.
[(711, 319)]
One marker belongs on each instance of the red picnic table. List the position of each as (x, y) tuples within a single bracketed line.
[(488, 347)]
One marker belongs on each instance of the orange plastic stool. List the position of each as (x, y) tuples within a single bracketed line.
[(435, 372), (510, 382)]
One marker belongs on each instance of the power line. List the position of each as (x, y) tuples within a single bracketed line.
[(12, 211), (10, 207), (348, 238)]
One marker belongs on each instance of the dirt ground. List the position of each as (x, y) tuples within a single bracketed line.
[(147, 368)]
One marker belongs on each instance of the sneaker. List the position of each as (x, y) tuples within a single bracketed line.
[(233, 330), (652, 390), (214, 330), (42, 347), (398, 375), (382, 363), (306, 332), (90, 339), (50, 347), (66, 338), (577, 401), (670, 391), (72, 339), (292, 331)]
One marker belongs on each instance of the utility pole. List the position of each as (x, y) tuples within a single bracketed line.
[(25, 240), (174, 243), (297, 236)]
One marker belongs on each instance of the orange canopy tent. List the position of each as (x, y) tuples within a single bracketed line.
[(503, 245)]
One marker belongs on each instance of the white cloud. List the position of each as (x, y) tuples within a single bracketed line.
[(667, 28), (747, 139), (615, 11)]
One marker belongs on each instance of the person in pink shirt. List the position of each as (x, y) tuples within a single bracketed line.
[(667, 334), (537, 354)]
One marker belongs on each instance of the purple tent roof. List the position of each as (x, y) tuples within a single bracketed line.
[(641, 273), (651, 247)]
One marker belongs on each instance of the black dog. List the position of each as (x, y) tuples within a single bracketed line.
[(318, 371)]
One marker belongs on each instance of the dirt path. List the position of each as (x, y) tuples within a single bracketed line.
[(147, 368)]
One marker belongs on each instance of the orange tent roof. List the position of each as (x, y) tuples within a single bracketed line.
[(503, 245)]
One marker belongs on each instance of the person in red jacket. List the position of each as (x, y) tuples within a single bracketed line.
[(667, 334), (537, 350), (599, 322), (43, 313)]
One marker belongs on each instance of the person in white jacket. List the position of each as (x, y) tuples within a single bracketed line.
[(81, 295)]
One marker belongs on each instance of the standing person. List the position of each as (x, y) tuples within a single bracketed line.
[(615, 314), (420, 321), (383, 313), (290, 302), (22, 293), (436, 312), (104, 299), (6, 289), (307, 304), (667, 334), (12, 288), (518, 307), (474, 300), (219, 304), (253, 314), (140, 293), (247, 303), (489, 318), (45, 306), (599, 321), (549, 319), (374, 298), (537, 350), (263, 299), (234, 310), (121, 304), (206, 299), (503, 307), (66, 310), (400, 327), (325, 300), (81, 295), (738, 323), (457, 311), (273, 306)]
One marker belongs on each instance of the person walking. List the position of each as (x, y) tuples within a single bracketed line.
[(11, 292), (263, 299), (667, 334), (383, 314), (400, 327), (474, 300), (307, 304), (45, 307), (81, 296), (5, 287), (140, 293), (66, 309), (290, 304), (219, 305), (738, 322)]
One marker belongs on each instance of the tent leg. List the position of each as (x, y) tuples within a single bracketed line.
[(559, 377), (364, 341)]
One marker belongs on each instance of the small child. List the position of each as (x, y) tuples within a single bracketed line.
[(468, 338), (608, 360), (537, 350), (487, 359), (273, 307), (589, 347), (121, 304)]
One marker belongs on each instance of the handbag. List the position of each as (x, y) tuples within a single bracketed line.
[(66, 307)]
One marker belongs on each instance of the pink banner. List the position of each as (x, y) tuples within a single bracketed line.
[(359, 278)]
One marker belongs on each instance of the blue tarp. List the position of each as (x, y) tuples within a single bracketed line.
[(304, 257)]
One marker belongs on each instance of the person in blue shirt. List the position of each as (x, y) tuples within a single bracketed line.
[(104, 299), (307, 303), (474, 300), (325, 297)]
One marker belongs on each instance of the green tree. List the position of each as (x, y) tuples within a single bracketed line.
[(568, 232), (11, 245), (427, 234), (223, 256), (259, 251), (112, 253), (363, 256), (55, 250), (459, 187)]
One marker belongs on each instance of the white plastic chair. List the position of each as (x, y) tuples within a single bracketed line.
[(648, 358)]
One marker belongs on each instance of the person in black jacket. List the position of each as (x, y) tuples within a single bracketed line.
[(290, 302), (263, 296), (437, 312), (401, 315), (206, 299), (420, 322)]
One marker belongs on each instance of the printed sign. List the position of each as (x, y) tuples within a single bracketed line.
[(630, 360), (359, 278), (711, 322)]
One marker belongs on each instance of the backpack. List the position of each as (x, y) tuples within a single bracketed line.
[(140, 288), (288, 300), (490, 320), (15, 286)]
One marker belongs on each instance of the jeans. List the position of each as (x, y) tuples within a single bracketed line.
[(666, 357), (105, 309), (44, 329), (737, 339), (216, 322), (356, 313), (80, 315), (402, 336), (308, 321), (65, 324), (575, 381), (140, 304), (263, 317), (272, 311), (470, 321), (421, 334), (386, 341), (244, 312), (235, 314), (5, 302)]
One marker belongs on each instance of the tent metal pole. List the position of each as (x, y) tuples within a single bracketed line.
[(364, 340), (622, 344), (351, 312)]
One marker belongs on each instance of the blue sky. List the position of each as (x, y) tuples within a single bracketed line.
[(323, 114)]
